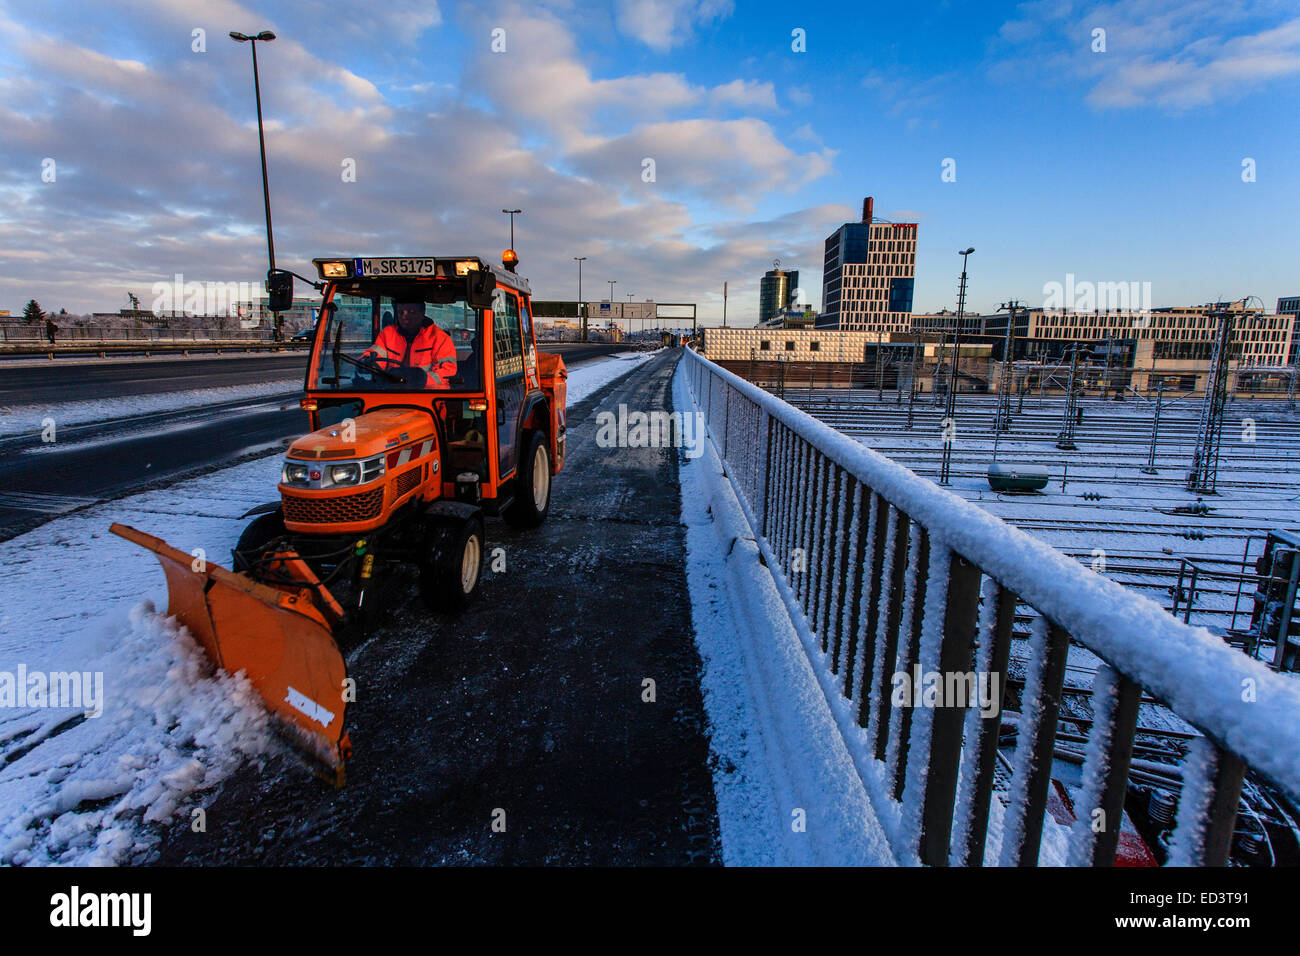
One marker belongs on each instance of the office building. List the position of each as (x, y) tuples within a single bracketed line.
[(868, 275), (776, 292)]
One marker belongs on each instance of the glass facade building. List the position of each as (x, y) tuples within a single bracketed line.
[(868, 275), (776, 293)]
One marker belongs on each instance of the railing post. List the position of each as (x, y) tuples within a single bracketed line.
[(960, 620), (984, 749), (875, 703), (812, 582), (908, 651), (831, 546), (841, 580), (799, 541), (1115, 703), (785, 479), (1207, 806), (872, 580), (726, 419), (768, 445), (1039, 735)]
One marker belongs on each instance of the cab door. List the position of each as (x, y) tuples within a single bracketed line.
[(508, 359)]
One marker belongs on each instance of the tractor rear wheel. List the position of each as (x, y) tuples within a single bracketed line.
[(260, 532), (453, 563), (532, 484)]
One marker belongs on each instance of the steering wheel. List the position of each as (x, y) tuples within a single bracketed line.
[(371, 366), (410, 376)]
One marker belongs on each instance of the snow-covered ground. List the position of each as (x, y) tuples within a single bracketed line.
[(19, 419), (787, 789), (75, 598)]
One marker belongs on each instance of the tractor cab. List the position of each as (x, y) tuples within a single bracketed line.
[(448, 336)]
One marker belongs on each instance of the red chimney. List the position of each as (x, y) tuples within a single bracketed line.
[(866, 210)]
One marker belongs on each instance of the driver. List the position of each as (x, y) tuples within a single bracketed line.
[(414, 341)]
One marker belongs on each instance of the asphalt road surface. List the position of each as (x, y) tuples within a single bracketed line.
[(102, 460), (529, 703)]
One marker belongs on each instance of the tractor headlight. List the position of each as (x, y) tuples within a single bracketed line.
[(349, 474), (301, 474), (294, 474)]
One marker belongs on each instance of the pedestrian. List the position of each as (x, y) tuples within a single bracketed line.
[(50, 330)]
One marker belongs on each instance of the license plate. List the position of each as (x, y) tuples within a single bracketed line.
[(395, 267)]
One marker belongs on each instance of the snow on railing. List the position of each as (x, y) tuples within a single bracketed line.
[(890, 573)]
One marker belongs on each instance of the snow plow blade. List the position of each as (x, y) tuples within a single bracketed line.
[(275, 634)]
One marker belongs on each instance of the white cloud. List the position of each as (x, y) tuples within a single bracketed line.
[(903, 95), (1163, 53), (744, 94), (664, 24), (158, 167), (731, 163), (799, 95)]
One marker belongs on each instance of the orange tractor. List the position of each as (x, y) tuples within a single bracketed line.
[(430, 408)]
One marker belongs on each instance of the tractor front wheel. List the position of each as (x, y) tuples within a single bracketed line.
[(533, 484), (453, 563), (261, 531)]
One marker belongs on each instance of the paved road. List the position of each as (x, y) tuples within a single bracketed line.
[(530, 702), (102, 460)]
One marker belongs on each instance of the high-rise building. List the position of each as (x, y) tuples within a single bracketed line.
[(868, 275), (776, 291), (1290, 305)]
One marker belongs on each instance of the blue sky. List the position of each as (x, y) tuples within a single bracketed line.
[(1115, 165)]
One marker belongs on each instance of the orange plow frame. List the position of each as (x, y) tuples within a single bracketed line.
[(276, 634)]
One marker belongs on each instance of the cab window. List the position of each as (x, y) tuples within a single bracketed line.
[(366, 348), (507, 347)]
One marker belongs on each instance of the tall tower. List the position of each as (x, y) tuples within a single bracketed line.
[(868, 274), (776, 291)]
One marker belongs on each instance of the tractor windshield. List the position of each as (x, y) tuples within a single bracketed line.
[(420, 336)]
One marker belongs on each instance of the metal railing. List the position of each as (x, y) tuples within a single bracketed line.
[(884, 571), (36, 334)]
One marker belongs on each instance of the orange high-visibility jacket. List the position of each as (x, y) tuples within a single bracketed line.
[(431, 350)]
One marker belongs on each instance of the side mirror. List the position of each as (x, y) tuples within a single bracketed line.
[(279, 290), (480, 285)]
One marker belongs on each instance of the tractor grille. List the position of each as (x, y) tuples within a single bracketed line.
[(359, 507), (406, 481)]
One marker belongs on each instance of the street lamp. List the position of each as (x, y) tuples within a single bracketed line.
[(512, 213), (582, 312), (265, 36), (951, 404)]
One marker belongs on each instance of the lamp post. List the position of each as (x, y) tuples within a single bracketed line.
[(582, 311), (512, 213), (265, 36), (612, 283), (950, 406)]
